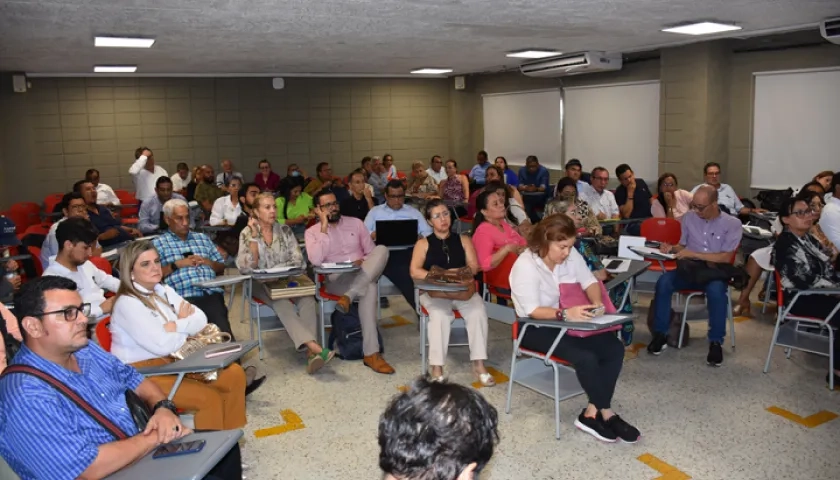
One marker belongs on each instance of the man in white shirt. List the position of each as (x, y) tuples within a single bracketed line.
[(104, 194), (726, 194), (181, 179), (227, 174), (151, 212), (76, 237), (73, 206), (602, 201), (145, 173), (574, 170), (830, 218), (436, 169)]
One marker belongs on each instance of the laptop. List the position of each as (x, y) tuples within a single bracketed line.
[(396, 233)]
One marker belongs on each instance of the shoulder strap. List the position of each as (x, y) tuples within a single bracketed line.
[(102, 420)]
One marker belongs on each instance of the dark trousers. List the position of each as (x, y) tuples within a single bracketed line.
[(229, 467), (397, 271), (634, 229), (819, 306), (532, 203), (214, 307), (597, 360)]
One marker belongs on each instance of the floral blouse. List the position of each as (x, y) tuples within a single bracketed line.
[(590, 221), (283, 251), (803, 263), (427, 185)]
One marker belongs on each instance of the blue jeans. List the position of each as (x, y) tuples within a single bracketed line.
[(716, 302)]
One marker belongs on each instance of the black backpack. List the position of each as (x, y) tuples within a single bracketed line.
[(346, 335), (11, 343)]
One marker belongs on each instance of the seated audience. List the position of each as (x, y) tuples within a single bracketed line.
[(726, 194), (77, 237), (436, 169), (227, 174), (248, 199), (263, 244), (824, 179), (830, 220), (511, 178), (293, 170), (151, 321), (602, 201), (495, 176), (44, 434), (456, 187), (104, 194), (181, 179), (326, 181), (533, 184), (535, 280), (633, 197), (421, 184), (360, 200), (73, 205), (390, 168), (151, 211), (450, 252), (709, 235), (294, 206), (206, 190), (574, 170), (111, 231), (266, 179), (378, 179), (197, 177), (804, 263), (477, 172), (493, 236), (671, 201), (188, 259), (458, 435), (567, 190), (10, 329), (226, 209), (336, 238), (367, 166), (144, 173)]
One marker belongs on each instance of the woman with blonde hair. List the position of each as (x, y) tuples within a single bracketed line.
[(150, 321), (421, 184)]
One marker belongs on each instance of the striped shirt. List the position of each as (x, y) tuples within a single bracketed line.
[(171, 248), (45, 435)]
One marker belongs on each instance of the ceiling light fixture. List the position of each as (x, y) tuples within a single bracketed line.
[(123, 42), (537, 53), (431, 71), (115, 68), (702, 28)]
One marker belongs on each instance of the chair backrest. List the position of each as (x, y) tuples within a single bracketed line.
[(102, 264), (35, 252), (499, 277), (667, 230), (128, 198), (36, 230), (103, 333)]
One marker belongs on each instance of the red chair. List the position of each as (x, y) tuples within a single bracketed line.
[(103, 333), (51, 200), (326, 304), (102, 264), (665, 230), (400, 176), (39, 229), (129, 204), (29, 212), (35, 252)]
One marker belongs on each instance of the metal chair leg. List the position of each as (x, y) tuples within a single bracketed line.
[(512, 379)]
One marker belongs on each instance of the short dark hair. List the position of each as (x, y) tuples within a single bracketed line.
[(161, 180), (75, 230), (90, 172), (30, 300), (835, 182), (435, 430), (316, 199), (265, 161), (77, 187), (431, 205), (786, 207), (182, 166), (622, 169), (453, 161), (599, 169), (553, 228), (394, 185), (808, 195), (434, 157), (531, 158), (483, 154), (358, 171), (566, 182), (812, 184), (69, 197), (139, 152), (320, 166), (709, 165), (365, 160)]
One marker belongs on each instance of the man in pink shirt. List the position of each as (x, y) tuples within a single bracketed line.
[(338, 238)]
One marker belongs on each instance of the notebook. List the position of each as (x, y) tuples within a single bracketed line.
[(396, 233)]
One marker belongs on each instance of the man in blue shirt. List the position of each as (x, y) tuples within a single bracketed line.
[(111, 231), (151, 211), (533, 185), (478, 174), (44, 434), (394, 208)]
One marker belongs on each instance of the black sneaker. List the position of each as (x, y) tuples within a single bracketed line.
[(384, 303), (623, 430), (715, 357), (658, 344), (595, 427)]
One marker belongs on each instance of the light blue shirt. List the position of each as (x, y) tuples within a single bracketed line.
[(150, 214), (479, 172), (726, 197), (383, 212)]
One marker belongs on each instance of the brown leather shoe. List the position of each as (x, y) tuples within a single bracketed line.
[(378, 364), (343, 304)]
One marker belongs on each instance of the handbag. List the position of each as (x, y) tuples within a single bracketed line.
[(140, 412), (462, 276), (209, 335), (572, 295), (703, 273)]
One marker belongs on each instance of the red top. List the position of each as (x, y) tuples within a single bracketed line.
[(271, 185)]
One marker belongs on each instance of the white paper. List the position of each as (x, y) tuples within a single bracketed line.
[(653, 252), (625, 265), (627, 241), (275, 270), (337, 265), (150, 237), (110, 253), (757, 231), (605, 319)]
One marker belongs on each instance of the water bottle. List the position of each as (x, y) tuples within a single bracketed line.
[(12, 274)]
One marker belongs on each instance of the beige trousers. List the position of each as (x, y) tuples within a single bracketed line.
[(302, 323), (440, 324), (362, 286)]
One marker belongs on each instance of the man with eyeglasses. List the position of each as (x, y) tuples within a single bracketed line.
[(602, 201), (76, 236), (73, 206), (726, 194), (708, 235), (341, 238)]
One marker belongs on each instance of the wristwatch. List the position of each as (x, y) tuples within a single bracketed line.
[(167, 404)]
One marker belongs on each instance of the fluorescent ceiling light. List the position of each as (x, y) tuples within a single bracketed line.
[(124, 42), (431, 71), (533, 54), (115, 68), (701, 28)]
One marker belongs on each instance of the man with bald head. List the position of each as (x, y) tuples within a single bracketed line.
[(708, 235), (227, 174)]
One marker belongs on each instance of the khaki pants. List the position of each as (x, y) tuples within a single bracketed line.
[(440, 324), (362, 286), (219, 405), (301, 323)]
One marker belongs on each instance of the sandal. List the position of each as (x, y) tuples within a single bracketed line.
[(742, 310), (486, 380)]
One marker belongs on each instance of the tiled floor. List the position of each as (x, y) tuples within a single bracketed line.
[(709, 423)]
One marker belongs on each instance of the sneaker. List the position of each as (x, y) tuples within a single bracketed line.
[(658, 344), (384, 303), (595, 427), (623, 430), (318, 360), (715, 357)]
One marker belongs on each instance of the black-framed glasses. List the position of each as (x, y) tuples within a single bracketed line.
[(803, 213), (70, 313), (698, 208), (329, 205)]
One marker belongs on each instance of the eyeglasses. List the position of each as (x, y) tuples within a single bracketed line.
[(443, 214), (698, 208), (668, 185), (329, 205), (70, 313), (803, 213)]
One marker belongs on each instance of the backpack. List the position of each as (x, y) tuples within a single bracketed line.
[(11, 343), (346, 335), (673, 328)]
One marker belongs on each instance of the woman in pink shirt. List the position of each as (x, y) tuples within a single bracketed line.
[(671, 201), (11, 327), (493, 236)]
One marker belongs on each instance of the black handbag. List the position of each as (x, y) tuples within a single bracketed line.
[(702, 273), (140, 412)]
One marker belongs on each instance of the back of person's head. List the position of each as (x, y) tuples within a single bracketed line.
[(437, 431), (75, 230), (622, 169), (557, 205), (69, 197), (30, 300), (552, 228)]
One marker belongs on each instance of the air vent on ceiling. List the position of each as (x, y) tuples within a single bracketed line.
[(830, 30), (572, 64)]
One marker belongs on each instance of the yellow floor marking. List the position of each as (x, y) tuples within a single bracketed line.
[(742, 318), (812, 421), (403, 388), (291, 422), (668, 472), (633, 350), (498, 376), (397, 321)]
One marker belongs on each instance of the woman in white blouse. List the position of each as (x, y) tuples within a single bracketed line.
[(227, 209), (150, 321), (266, 243), (550, 261)]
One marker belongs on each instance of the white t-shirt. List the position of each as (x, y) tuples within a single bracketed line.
[(91, 283), (144, 180), (105, 195), (603, 202), (533, 285), (224, 211), (179, 184), (830, 220), (438, 176)]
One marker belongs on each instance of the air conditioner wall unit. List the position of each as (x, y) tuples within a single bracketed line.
[(572, 64), (830, 30)]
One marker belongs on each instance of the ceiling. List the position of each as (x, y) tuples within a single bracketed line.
[(357, 36)]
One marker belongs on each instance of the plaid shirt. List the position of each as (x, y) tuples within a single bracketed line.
[(171, 248)]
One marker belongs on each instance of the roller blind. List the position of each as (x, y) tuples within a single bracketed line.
[(523, 123)]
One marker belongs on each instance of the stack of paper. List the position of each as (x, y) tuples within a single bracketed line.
[(275, 270), (652, 252), (337, 265)]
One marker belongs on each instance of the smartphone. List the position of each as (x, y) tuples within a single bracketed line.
[(596, 311), (614, 264), (221, 351), (188, 254), (180, 448)]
